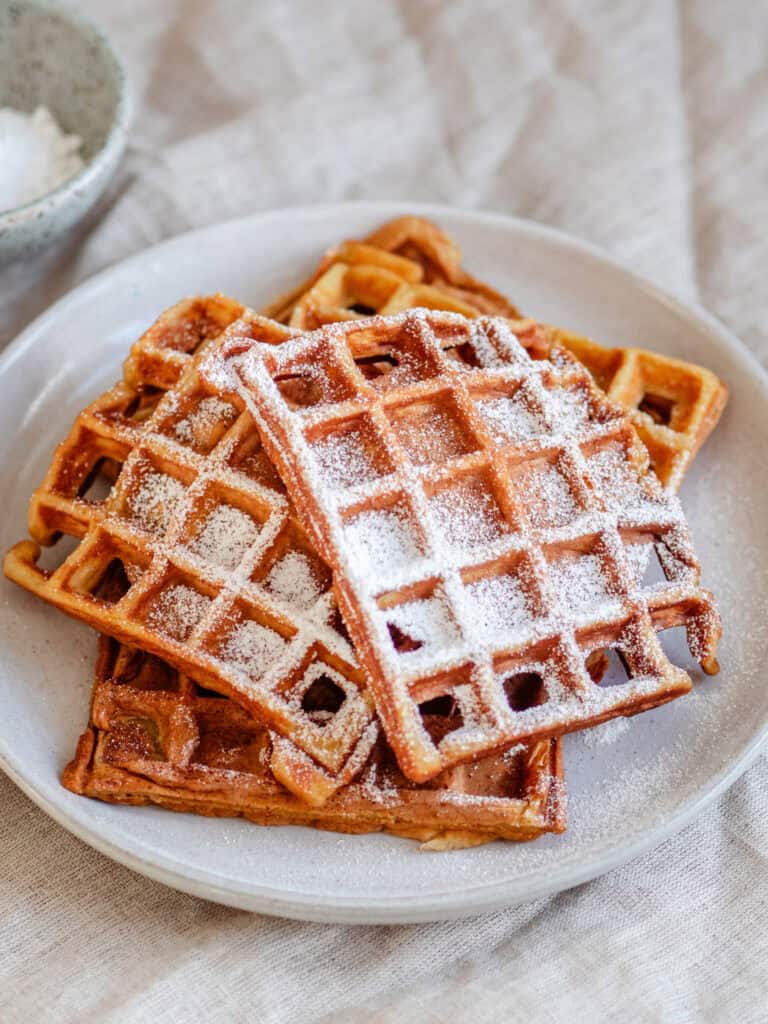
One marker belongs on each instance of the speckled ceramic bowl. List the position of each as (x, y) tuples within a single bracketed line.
[(51, 56)]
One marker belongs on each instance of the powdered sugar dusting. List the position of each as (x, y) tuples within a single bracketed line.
[(608, 732), (226, 535), (292, 579), (568, 408), (345, 459), (197, 426), (580, 583), (381, 539), (547, 496), (431, 434), (427, 621), (510, 418), (252, 648), (617, 485), (177, 610), (497, 605), (153, 504), (467, 515)]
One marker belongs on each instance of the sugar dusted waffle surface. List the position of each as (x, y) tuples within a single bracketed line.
[(674, 405), (409, 262), (221, 581), (487, 513), (157, 738)]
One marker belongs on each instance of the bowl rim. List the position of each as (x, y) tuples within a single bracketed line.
[(116, 135)]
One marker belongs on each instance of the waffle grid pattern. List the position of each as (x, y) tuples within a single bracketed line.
[(374, 468), (674, 405), (206, 594), (155, 737), (406, 263)]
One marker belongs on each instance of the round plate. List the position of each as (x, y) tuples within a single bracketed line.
[(630, 787)]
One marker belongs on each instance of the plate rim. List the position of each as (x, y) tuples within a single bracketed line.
[(471, 899)]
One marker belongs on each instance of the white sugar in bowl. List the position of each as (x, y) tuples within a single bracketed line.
[(53, 58)]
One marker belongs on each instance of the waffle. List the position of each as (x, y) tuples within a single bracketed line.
[(487, 514), (222, 583), (674, 405), (157, 738), (406, 263), (163, 352), (409, 262)]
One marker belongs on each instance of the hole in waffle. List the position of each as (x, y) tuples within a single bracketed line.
[(104, 569), (614, 670), (510, 415), (413, 360), (441, 716), (372, 367), (151, 496), (176, 610), (423, 622), (144, 404), (199, 421), (431, 432), (361, 309), (114, 584), (674, 643), (465, 355), (401, 641), (322, 693), (53, 557), (337, 623), (524, 690), (314, 378), (97, 486), (466, 514), (323, 696), (658, 407), (543, 490), (382, 539), (645, 564), (349, 453)]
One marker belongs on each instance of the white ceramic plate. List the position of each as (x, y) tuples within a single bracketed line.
[(627, 794)]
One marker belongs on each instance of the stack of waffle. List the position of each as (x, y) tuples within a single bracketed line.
[(357, 562)]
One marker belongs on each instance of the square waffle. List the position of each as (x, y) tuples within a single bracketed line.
[(487, 515), (410, 262), (674, 405), (157, 738), (221, 580)]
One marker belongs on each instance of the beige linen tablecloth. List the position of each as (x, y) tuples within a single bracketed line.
[(641, 127)]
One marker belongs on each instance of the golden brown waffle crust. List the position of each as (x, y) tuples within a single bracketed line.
[(186, 752), (290, 433), (674, 405)]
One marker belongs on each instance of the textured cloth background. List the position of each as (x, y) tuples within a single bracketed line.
[(641, 127)]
